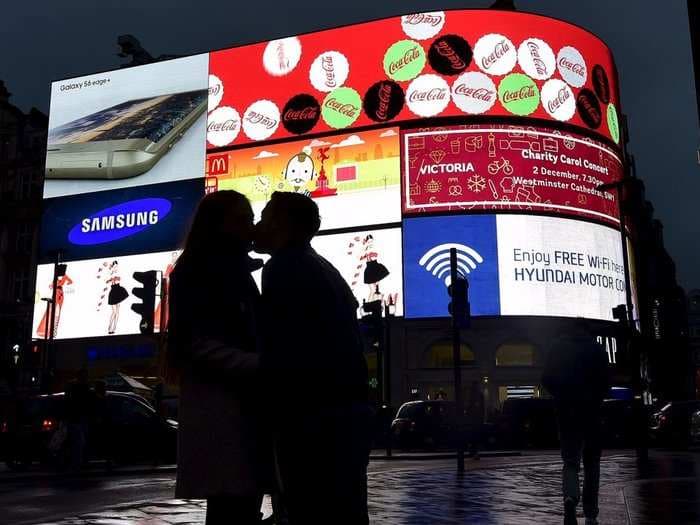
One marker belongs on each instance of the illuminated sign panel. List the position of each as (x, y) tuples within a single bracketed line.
[(125, 128), (93, 298), (437, 64), (508, 168), (119, 222), (515, 264), (354, 178)]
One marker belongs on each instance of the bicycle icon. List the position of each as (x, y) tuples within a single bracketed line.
[(502, 165)]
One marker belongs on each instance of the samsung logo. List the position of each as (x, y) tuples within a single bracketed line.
[(120, 221)]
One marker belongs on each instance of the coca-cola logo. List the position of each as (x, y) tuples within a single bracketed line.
[(589, 108), (519, 94), (216, 92), (422, 26), (572, 66), (428, 95), (495, 54), (536, 58), (450, 55), (523, 93), (558, 99), (383, 101), (474, 92), (409, 56), (223, 126), (281, 56), (601, 84), (344, 108), (404, 60), (261, 119), (300, 114), (329, 70)]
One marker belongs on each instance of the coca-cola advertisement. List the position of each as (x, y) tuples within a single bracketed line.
[(508, 168), (423, 55)]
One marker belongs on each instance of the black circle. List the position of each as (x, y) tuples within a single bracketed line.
[(383, 101), (589, 108), (450, 55), (301, 113), (601, 84)]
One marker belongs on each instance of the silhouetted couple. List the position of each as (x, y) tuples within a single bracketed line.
[(273, 386), (576, 374)]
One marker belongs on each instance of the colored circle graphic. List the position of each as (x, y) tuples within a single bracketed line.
[(300, 114), (329, 71), (341, 107), (383, 101), (558, 99), (404, 60), (281, 56), (428, 95), (450, 55), (422, 26), (613, 123), (519, 94), (473, 92)]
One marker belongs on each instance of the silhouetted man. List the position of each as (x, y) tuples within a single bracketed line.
[(576, 374), (312, 345)]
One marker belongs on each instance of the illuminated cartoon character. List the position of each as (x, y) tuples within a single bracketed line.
[(300, 171)]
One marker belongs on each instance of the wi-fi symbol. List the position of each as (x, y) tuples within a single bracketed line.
[(437, 260)]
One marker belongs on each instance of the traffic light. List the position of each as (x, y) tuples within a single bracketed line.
[(459, 305), (147, 294)]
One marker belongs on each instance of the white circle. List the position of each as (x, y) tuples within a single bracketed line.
[(536, 59), (421, 26), (216, 92), (474, 92), (329, 71), (572, 66), (495, 54), (261, 119), (558, 99), (281, 56), (223, 126), (427, 95)]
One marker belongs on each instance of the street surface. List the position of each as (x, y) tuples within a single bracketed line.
[(499, 490)]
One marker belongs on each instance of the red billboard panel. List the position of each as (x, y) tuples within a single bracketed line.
[(496, 167), (437, 64)]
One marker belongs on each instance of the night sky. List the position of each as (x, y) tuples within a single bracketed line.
[(44, 40)]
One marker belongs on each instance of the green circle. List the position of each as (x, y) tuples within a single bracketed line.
[(341, 107), (519, 94), (404, 60), (613, 124)]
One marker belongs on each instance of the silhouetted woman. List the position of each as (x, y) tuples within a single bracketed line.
[(222, 450)]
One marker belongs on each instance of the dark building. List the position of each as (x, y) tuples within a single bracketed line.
[(22, 155), (694, 335)]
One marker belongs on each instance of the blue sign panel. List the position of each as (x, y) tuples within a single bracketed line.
[(119, 222), (426, 251)]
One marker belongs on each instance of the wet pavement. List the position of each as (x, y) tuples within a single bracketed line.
[(509, 491)]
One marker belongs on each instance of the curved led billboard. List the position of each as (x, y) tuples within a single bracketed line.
[(485, 130), (424, 65)]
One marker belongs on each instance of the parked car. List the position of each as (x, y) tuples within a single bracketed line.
[(671, 426), (130, 431), (420, 424)]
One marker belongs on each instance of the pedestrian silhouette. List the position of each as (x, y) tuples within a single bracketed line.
[(576, 374), (223, 453), (78, 412), (315, 366)]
